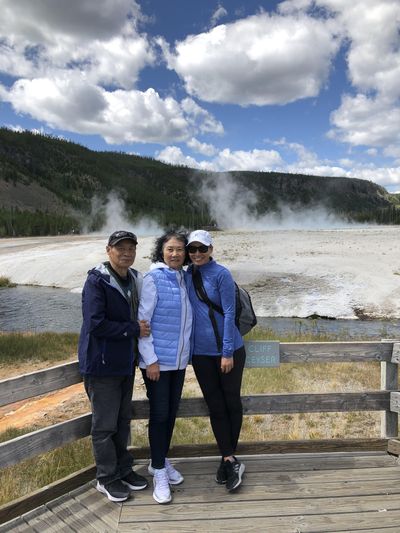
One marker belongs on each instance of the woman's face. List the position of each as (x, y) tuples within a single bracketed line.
[(199, 253), (174, 253)]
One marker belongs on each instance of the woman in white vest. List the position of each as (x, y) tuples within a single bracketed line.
[(164, 355)]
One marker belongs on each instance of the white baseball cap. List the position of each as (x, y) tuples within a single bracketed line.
[(200, 235)]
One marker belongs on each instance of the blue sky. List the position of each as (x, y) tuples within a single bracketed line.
[(300, 86)]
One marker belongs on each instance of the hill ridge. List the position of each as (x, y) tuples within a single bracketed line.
[(47, 186)]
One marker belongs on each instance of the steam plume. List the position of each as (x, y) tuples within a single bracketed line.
[(233, 206)]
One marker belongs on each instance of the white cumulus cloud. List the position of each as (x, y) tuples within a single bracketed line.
[(201, 148), (363, 120), (119, 116), (100, 39), (263, 59)]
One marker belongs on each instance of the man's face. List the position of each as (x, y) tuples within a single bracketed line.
[(122, 255)]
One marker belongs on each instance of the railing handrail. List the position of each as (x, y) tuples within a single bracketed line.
[(35, 383), (43, 381)]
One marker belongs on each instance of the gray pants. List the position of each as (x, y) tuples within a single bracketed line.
[(110, 398)]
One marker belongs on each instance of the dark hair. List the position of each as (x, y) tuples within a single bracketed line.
[(157, 253)]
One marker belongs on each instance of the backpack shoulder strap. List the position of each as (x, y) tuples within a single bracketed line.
[(203, 297)]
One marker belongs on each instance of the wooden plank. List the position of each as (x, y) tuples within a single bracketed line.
[(254, 482), (203, 489), (334, 352), (272, 447), (206, 525), (286, 507), (41, 382), (302, 479), (42, 519), (30, 445), (382, 529), (394, 446), (286, 403), (389, 381), (395, 351), (16, 525), (98, 505), (37, 383), (301, 523), (265, 467), (76, 516), (316, 403), (24, 504), (395, 401), (43, 440)]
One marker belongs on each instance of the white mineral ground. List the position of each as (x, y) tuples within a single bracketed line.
[(342, 273)]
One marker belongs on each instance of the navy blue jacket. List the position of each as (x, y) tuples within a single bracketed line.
[(106, 342)]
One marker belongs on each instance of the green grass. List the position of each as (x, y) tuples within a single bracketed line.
[(25, 347), (32, 474)]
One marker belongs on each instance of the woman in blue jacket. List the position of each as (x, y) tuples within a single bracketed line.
[(218, 353), (164, 355)]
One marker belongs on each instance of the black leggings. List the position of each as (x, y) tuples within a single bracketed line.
[(222, 395)]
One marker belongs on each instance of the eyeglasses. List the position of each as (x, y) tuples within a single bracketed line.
[(202, 249)]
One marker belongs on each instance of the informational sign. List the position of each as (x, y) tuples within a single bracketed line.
[(262, 354)]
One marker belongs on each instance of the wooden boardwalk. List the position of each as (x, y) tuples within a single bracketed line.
[(325, 492)]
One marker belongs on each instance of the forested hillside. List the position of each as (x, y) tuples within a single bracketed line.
[(47, 186)]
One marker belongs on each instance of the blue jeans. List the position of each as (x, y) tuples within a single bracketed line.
[(164, 396), (111, 398)]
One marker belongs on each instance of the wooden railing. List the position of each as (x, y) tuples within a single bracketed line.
[(386, 400)]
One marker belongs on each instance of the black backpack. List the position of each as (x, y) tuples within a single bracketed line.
[(245, 317)]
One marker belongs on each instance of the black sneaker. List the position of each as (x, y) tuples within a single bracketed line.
[(115, 491), (220, 476), (234, 472), (134, 481)]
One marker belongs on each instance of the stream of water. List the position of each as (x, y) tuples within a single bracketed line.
[(39, 309)]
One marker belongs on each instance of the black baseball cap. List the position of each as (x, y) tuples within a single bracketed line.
[(120, 236)]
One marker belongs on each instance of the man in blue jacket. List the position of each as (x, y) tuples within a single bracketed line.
[(107, 357)]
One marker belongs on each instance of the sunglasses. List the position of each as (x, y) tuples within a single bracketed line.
[(193, 249)]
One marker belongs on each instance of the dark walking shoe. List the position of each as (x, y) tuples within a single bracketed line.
[(115, 491), (220, 476), (234, 473), (134, 481)]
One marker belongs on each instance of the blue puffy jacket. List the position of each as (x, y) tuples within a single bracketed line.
[(164, 302), (106, 342), (220, 288)]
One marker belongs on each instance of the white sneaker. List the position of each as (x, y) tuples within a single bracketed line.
[(174, 477), (161, 489)]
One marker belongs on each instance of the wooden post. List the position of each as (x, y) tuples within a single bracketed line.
[(389, 381)]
